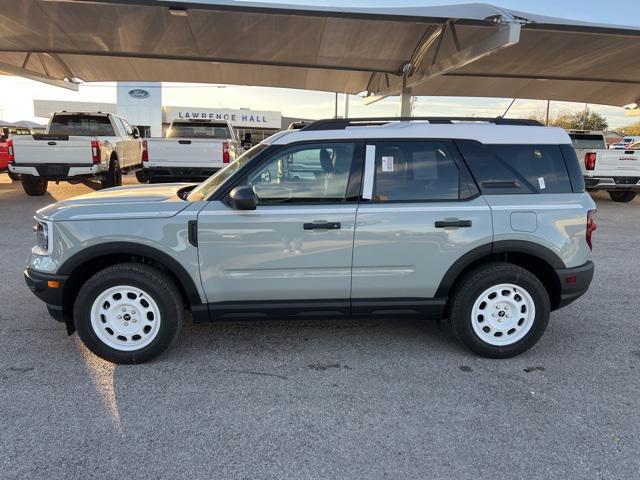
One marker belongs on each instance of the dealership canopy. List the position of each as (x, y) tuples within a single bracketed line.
[(461, 50)]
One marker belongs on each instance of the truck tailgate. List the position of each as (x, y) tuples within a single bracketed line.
[(173, 152), (618, 163), (43, 149)]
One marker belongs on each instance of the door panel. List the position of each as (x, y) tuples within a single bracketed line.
[(423, 213), (400, 253), (268, 255), (298, 243)]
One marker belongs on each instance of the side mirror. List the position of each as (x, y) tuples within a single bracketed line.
[(243, 198), (136, 132), (247, 141)]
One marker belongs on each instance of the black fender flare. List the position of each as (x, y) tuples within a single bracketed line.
[(129, 248), (488, 249)]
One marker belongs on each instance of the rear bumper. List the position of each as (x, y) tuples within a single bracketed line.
[(612, 183), (56, 171), (178, 173), (574, 282), (39, 284)]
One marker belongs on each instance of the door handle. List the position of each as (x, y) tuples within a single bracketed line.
[(322, 226), (452, 223), (184, 142)]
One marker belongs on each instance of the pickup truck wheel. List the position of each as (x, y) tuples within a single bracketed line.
[(14, 176), (34, 186), (114, 175), (622, 197), (499, 310), (128, 313), (141, 176)]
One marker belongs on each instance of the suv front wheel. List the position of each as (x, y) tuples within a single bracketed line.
[(499, 310), (128, 313)]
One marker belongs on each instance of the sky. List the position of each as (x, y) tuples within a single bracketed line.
[(17, 95)]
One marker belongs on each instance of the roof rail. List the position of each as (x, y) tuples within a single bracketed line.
[(342, 123)]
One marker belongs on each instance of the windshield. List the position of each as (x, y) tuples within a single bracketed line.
[(210, 185), (198, 130), (587, 141), (81, 125)]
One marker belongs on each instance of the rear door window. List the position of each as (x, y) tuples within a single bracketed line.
[(415, 171), (507, 169)]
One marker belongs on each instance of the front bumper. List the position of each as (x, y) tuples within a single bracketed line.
[(180, 174), (574, 282), (49, 288), (612, 183)]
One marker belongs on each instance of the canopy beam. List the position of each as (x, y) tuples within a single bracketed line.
[(36, 76)]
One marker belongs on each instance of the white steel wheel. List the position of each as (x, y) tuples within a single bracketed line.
[(125, 318), (503, 314)]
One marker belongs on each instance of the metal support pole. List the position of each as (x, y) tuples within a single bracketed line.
[(546, 122), (335, 113), (346, 105), (406, 94)]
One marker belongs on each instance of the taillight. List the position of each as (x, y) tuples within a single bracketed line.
[(590, 161), (225, 152), (591, 226), (145, 152), (10, 150), (95, 151)]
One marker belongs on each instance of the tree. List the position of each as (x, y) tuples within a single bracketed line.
[(583, 120), (633, 129)]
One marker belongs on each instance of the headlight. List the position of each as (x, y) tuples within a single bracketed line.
[(41, 232)]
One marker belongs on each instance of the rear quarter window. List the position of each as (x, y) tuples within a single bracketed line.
[(513, 169)]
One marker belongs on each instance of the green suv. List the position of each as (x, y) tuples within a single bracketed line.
[(483, 222)]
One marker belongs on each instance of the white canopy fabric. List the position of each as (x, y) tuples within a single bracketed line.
[(462, 50)]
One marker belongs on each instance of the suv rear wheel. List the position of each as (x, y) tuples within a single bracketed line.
[(34, 186), (499, 310), (622, 196), (128, 313)]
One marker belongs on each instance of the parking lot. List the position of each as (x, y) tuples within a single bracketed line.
[(324, 399)]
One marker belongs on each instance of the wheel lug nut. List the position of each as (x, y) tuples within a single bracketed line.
[(125, 324), (119, 317)]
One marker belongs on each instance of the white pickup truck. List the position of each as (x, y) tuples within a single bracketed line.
[(76, 147), (192, 151), (615, 171)]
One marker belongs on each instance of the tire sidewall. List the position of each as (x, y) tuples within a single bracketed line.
[(469, 294), (34, 186), (170, 314), (622, 196)]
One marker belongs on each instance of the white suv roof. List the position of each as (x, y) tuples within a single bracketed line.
[(483, 132)]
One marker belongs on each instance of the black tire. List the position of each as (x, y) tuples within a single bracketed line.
[(14, 176), (622, 196), (114, 175), (34, 186), (141, 176), (472, 285), (160, 288)]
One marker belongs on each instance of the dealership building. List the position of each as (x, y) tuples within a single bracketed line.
[(143, 108)]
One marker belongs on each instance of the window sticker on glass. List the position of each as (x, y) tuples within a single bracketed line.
[(387, 164), (541, 183)]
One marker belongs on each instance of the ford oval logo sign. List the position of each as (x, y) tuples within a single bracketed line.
[(139, 93)]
